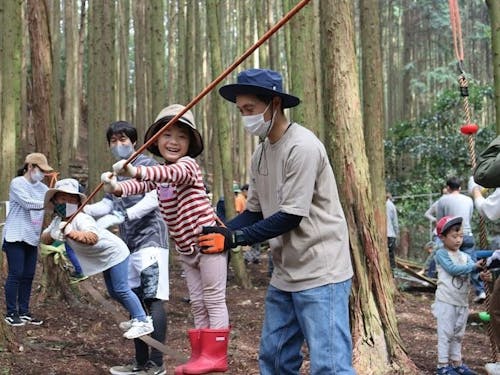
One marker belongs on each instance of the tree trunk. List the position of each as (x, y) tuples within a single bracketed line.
[(10, 101), (54, 13), (41, 67), (304, 81), (10, 114), (494, 11), (260, 20), (181, 79), (72, 94), (142, 60), (223, 132), (124, 110), (171, 51), (55, 280), (101, 86), (158, 58), (373, 107), (377, 344)]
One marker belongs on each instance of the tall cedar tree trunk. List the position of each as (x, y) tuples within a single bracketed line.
[(72, 95), (10, 100), (376, 342), (223, 139), (181, 79), (373, 106), (101, 86), (142, 61), (199, 66), (54, 279), (123, 33), (41, 67), (158, 58), (304, 81), (261, 27), (404, 104), (494, 11), (172, 51), (54, 13), (10, 113)]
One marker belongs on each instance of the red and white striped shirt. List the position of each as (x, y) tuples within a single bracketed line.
[(182, 198)]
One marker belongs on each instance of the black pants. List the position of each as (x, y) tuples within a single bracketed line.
[(155, 308), (391, 244)]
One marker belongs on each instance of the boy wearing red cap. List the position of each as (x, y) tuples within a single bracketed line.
[(451, 306)]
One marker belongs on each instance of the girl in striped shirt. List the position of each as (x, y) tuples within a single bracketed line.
[(186, 208)]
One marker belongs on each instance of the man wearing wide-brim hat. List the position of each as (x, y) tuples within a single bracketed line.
[(294, 204)]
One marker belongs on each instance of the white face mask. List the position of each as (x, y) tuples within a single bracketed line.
[(256, 125), (71, 209), (122, 151), (37, 175), (65, 209)]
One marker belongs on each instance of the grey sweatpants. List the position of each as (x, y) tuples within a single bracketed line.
[(451, 323)]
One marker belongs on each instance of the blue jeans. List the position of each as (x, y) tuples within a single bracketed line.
[(73, 259), (320, 316), (116, 279), (21, 259), (468, 248)]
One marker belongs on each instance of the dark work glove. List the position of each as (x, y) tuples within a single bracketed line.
[(215, 240)]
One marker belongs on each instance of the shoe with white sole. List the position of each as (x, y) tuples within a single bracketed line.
[(126, 325), (492, 368), (139, 328), (130, 369)]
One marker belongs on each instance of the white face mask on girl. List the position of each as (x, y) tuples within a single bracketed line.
[(256, 125), (37, 175)]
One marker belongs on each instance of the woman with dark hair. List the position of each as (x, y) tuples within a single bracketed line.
[(21, 237)]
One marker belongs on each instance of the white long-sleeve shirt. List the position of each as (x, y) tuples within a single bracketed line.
[(489, 207), (25, 218)]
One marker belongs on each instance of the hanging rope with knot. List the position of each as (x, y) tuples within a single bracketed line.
[(469, 129)]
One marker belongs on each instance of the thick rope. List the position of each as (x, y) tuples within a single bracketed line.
[(456, 29), (464, 92)]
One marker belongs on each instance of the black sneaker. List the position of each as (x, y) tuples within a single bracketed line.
[(129, 369), (27, 318), (153, 369), (14, 320)]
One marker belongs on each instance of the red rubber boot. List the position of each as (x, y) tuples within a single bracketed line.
[(194, 339), (213, 357)]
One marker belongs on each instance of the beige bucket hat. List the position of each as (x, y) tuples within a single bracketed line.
[(167, 114), (66, 185)]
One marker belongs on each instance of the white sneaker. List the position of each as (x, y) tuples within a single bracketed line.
[(139, 328), (493, 368), (125, 326), (480, 297)]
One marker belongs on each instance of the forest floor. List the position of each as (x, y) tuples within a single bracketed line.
[(85, 339)]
